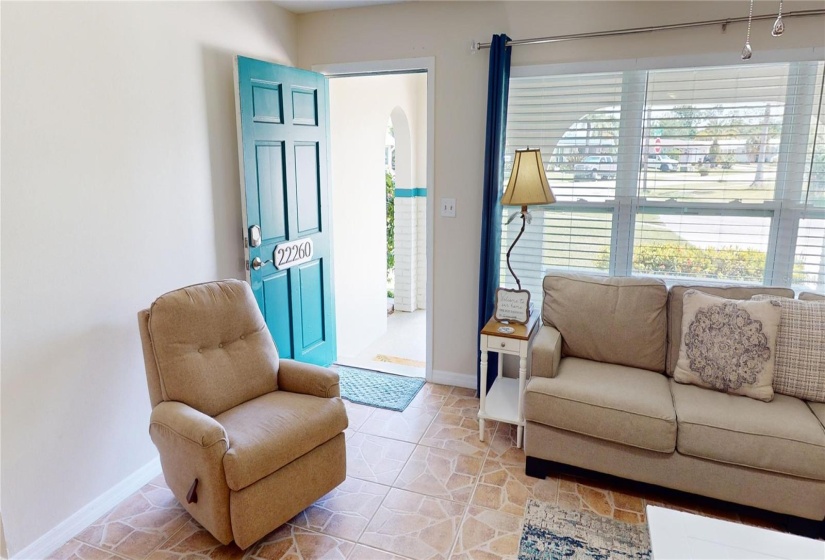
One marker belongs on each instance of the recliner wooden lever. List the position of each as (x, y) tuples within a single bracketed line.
[(192, 495)]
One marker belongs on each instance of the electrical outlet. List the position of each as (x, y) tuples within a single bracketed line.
[(448, 207)]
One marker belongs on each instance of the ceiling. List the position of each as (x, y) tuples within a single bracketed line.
[(305, 6)]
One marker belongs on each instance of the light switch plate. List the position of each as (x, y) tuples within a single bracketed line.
[(448, 207)]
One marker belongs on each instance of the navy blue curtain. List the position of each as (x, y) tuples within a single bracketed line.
[(498, 86)]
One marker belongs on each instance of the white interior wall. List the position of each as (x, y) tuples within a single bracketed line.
[(445, 30), (119, 183), (360, 109), (403, 148)]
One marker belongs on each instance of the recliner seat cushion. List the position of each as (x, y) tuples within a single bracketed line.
[(212, 346), (608, 319), (781, 436), (273, 430), (615, 403)]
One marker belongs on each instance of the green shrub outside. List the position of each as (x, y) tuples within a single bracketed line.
[(390, 192), (728, 263), (674, 259)]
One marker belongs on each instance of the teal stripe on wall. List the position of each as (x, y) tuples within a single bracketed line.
[(410, 193)]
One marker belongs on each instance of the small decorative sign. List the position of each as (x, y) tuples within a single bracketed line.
[(512, 306), (286, 255)]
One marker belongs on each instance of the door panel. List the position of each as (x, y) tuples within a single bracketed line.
[(276, 292), (306, 178), (271, 192), (267, 104), (311, 277), (305, 106), (283, 142)]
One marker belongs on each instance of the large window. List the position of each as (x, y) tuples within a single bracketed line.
[(704, 173)]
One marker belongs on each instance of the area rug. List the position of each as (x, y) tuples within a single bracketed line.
[(554, 533), (381, 390)]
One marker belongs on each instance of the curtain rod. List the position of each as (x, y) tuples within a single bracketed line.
[(632, 31)]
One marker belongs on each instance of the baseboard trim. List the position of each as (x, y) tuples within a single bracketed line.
[(452, 378), (91, 512)]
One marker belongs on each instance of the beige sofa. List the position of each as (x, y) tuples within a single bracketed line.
[(601, 398)]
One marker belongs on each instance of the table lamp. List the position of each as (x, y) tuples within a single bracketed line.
[(527, 186)]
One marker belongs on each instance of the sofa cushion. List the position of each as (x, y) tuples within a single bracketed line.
[(819, 411), (781, 436), (811, 296), (728, 345), (800, 349), (270, 431), (674, 310), (606, 401), (212, 346), (608, 319)]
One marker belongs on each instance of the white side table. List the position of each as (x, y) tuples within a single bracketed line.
[(504, 401)]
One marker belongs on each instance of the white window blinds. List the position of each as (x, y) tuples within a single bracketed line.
[(701, 173)]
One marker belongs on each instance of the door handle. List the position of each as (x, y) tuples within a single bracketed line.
[(257, 263)]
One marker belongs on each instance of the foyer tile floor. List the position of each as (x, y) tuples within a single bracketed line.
[(419, 485)]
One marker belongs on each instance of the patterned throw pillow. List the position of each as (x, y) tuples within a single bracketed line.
[(800, 349), (728, 345)]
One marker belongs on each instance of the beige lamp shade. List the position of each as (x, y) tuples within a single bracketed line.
[(528, 182)]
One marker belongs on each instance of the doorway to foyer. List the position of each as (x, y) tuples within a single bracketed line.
[(379, 145)]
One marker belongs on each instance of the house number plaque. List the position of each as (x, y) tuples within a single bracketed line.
[(286, 255)]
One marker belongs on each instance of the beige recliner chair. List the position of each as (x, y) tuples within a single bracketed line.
[(246, 440)]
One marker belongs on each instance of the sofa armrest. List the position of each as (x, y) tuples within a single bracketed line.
[(309, 379), (546, 353), (185, 422)]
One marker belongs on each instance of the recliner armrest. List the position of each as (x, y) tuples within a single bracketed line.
[(309, 379), (188, 423), (192, 446), (546, 353)]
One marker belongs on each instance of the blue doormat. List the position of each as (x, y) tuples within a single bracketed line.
[(381, 390)]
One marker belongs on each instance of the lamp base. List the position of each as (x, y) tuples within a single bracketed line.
[(524, 218)]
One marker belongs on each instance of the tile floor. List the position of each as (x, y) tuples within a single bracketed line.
[(419, 484)]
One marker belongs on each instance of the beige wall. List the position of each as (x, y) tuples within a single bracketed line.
[(445, 31), (119, 182)]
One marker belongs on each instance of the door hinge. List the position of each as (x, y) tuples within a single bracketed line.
[(246, 264), (245, 242)]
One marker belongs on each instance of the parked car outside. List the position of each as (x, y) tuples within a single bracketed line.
[(556, 163), (662, 162), (595, 168)]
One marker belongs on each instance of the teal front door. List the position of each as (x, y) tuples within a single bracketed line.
[(283, 138)]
